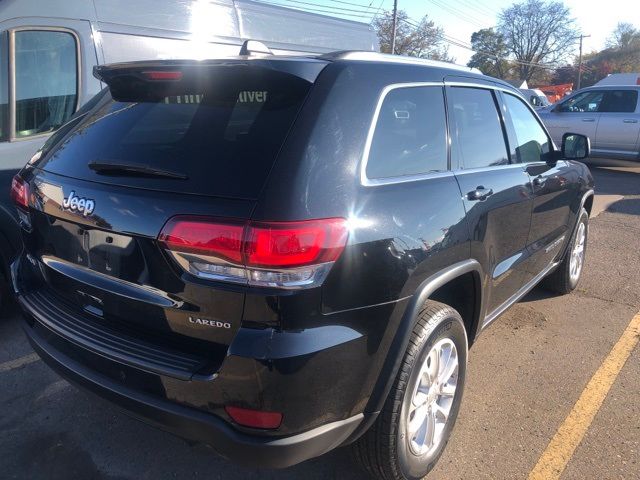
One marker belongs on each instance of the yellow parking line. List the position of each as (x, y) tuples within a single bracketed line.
[(569, 435), (18, 362)]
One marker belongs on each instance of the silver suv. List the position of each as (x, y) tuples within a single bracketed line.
[(609, 116)]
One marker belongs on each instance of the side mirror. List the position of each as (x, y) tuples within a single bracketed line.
[(575, 146)]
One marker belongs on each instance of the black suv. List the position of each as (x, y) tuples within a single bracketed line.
[(278, 256)]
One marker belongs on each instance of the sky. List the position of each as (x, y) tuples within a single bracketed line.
[(460, 18)]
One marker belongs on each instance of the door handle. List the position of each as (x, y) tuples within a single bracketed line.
[(630, 120), (588, 119), (480, 193), (539, 181)]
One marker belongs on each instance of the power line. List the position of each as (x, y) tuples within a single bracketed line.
[(479, 8), (378, 10), (465, 17), (343, 2)]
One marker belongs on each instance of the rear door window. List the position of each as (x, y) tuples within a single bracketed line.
[(410, 136), (477, 135), (219, 128), (46, 80), (619, 101)]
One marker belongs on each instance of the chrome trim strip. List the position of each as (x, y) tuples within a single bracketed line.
[(113, 285), (367, 182), (517, 296), (486, 86), (508, 166)]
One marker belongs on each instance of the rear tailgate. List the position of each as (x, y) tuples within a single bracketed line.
[(201, 143), (109, 267)]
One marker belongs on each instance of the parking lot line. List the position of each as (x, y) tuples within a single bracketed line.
[(18, 362), (556, 456)]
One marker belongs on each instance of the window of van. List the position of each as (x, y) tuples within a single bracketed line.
[(4, 87), (46, 83)]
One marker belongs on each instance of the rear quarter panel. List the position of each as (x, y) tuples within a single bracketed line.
[(399, 233)]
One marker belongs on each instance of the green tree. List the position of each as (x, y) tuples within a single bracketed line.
[(537, 32), (491, 53), (422, 39)]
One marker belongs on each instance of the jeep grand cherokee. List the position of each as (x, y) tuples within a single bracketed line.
[(278, 256)]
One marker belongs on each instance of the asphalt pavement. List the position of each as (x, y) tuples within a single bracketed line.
[(525, 375)]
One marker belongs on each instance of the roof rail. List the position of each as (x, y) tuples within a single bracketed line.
[(253, 47), (365, 56)]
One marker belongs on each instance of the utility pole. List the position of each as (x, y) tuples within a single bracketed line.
[(580, 61), (395, 20)]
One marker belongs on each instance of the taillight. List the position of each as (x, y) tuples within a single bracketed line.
[(274, 254), (289, 244), (20, 192), (193, 235)]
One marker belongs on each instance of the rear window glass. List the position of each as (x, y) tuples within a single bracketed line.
[(220, 127)]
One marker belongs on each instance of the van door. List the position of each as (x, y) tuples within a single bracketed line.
[(45, 76), (496, 193)]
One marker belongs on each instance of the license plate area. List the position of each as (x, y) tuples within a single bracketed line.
[(101, 251)]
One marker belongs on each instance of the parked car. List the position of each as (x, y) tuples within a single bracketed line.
[(608, 115), (48, 50), (281, 255), (535, 97)]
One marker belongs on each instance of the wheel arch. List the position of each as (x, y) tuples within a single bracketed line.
[(435, 287)]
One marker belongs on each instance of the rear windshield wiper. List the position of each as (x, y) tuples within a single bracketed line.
[(131, 169)]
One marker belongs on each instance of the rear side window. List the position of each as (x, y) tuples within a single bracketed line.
[(410, 134), (46, 72), (478, 139), (619, 101), (219, 128), (532, 141)]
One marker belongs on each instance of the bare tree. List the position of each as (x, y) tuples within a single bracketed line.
[(423, 39), (537, 31), (624, 36)]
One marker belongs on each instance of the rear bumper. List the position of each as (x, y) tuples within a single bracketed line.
[(196, 425)]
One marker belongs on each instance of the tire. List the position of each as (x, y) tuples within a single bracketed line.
[(388, 450), (565, 278)]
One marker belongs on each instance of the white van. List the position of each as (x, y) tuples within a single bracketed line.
[(535, 97), (48, 50)]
